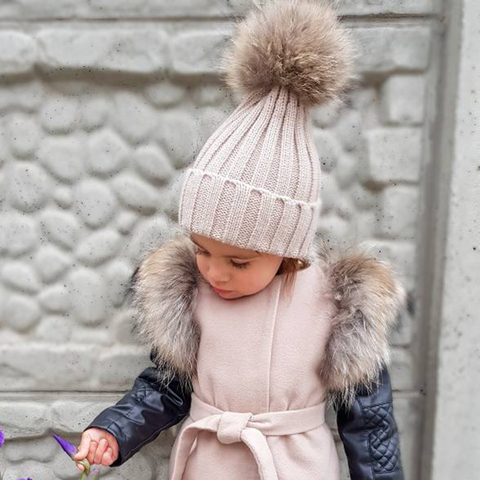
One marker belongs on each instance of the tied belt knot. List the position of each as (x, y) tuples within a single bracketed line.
[(232, 427)]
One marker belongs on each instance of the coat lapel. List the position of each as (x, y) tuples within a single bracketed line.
[(365, 291)]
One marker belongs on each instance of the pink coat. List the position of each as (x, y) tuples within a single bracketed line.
[(264, 367)]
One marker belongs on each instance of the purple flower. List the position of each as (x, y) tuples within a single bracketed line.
[(25, 478), (2, 437), (71, 450), (68, 448)]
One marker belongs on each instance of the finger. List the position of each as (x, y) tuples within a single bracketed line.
[(80, 467), (92, 450), (83, 447), (102, 446), (107, 457)]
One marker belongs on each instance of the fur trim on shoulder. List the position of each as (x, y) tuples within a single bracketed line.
[(297, 44), (164, 291), (365, 291), (368, 297)]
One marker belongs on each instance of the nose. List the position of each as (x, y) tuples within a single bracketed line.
[(217, 275)]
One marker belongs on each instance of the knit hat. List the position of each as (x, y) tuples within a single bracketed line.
[(256, 182)]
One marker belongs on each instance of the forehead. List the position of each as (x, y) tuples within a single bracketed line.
[(221, 249)]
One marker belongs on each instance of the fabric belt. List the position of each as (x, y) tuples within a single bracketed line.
[(248, 428)]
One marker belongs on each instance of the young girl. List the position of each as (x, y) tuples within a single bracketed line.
[(255, 328)]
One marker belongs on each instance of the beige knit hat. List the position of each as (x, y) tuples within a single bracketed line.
[(256, 182)]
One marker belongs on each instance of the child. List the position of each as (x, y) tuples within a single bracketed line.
[(294, 328)]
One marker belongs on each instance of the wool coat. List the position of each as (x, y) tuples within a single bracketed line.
[(263, 368)]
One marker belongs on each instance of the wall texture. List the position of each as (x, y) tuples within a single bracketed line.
[(102, 105)]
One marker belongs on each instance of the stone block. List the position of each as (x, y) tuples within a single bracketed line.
[(94, 112), (29, 366), (21, 313), (55, 329), (107, 153), (38, 449), (141, 51), (72, 416), (94, 203), (384, 50), (403, 100), (51, 263), (24, 419), (99, 247), (59, 114), (18, 52), (23, 134), (394, 154), (198, 53), (18, 234), (164, 94), (136, 194), (63, 157), (28, 187), (88, 296), (27, 96), (133, 117), (60, 227), (398, 213), (131, 9), (55, 299), (392, 7), (117, 369), (153, 164), (177, 132), (20, 276)]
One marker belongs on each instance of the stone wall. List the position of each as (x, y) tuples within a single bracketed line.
[(102, 106)]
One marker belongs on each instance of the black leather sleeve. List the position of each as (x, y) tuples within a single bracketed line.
[(144, 412), (370, 435)]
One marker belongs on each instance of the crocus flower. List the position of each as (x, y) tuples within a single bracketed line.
[(71, 450), (68, 448), (2, 437), (25, 478)]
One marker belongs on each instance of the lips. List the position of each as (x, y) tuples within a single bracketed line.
[(218, 290)]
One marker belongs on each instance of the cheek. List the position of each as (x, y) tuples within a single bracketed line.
[(255, 280), (201, 264)]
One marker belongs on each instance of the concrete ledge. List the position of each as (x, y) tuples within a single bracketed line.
[(61, 9)]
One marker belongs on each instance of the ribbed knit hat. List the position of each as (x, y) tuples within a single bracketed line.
[(256, 182)]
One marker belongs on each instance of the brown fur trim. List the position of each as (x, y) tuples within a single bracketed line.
[(365, 290), (368, 298), (164, 292), (297, 44)]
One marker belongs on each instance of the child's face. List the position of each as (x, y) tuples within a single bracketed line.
[(239, 271)]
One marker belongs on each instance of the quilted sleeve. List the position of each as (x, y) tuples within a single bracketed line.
[(370, 435), (144, 411)]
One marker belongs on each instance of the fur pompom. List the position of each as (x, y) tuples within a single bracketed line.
[(297, 44)]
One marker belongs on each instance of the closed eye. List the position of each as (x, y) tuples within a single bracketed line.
[(199, 251)]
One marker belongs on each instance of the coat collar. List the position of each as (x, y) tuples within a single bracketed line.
[(366, 293)]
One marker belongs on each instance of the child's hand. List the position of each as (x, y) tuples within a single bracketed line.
[(98, 446)]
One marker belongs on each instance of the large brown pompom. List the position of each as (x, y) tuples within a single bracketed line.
[(298, 44)]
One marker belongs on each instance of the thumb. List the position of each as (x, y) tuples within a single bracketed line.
[(83, 447)]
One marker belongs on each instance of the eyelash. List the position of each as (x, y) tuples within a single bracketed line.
[(236, 265)]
